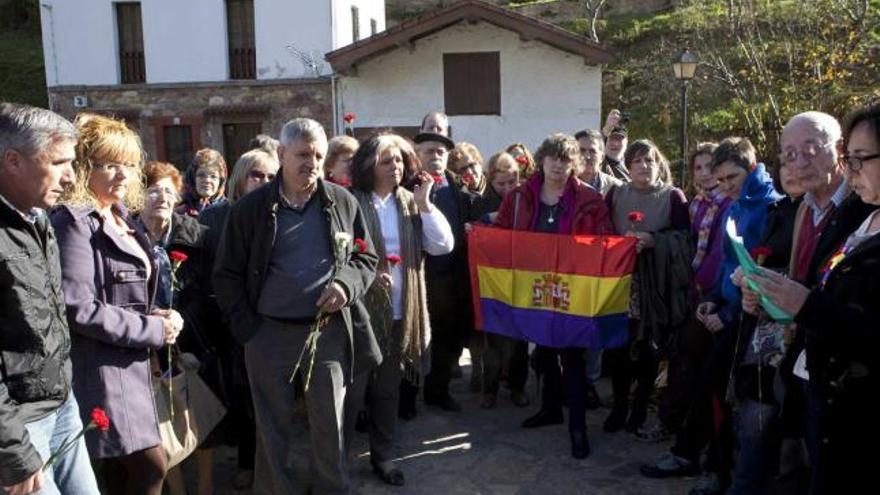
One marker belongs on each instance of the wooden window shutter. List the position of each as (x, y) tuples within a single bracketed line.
[(132, 67), (472, 83), (240, 31)]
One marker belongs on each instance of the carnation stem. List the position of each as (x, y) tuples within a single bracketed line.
[(170, 386), (67, 445)]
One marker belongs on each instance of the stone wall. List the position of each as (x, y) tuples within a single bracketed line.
[(204, 106)]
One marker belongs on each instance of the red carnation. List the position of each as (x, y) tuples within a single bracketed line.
[(438, 179), (523, 161), (761, 253), (394, 259), (360, 245), (99, 417), (349, 117), (178, 256), (99, 421), (635, 216)]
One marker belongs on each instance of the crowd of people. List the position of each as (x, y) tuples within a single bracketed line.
[(352, 256)]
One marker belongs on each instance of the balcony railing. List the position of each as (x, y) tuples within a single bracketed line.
[(133, 68), (242, 63)]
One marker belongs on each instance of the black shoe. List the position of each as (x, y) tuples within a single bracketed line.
[(592, 398), (580, 446), (614, 422), (389, 474), (446, 403), (544, 417)]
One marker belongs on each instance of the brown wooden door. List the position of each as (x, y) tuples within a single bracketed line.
[(236, 139)]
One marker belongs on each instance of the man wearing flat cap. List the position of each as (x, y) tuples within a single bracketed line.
[(615, 146), (447, 276)]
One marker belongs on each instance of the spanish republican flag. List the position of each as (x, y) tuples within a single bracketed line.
[(554, 290)]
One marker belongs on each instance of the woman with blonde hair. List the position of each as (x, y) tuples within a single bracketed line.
[(466, 161), (253, 170), (501, 352), (337, 165), (524, 159), (109, 281)]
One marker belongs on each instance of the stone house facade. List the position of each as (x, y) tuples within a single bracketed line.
[(201, 72)]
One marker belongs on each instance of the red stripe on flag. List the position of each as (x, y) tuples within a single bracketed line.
[(594, 256)]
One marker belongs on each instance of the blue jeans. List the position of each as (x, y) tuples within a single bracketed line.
[(70, 474), (756, 433)]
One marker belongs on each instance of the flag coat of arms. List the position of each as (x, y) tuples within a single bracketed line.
[(555, 290)]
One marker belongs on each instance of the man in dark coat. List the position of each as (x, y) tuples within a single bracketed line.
[(37, 408), (296, 255), (447, 276)]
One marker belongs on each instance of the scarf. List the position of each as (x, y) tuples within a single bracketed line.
[(704, 229), (416, 330)]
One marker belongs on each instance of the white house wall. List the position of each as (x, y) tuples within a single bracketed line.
[(301, 25), (79, 42), (543, 90), (185, 41)]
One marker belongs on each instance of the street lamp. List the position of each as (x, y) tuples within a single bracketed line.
[(684, 66)]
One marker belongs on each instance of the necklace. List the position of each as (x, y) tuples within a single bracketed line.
[(553, 209)]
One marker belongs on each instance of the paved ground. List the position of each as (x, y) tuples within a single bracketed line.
[(479, 451)]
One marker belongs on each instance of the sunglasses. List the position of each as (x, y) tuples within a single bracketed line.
[(258, 175)]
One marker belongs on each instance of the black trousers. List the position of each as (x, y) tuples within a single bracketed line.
[(708, 420), (683, 374), (566, 385), (449, 326), (633, 362)]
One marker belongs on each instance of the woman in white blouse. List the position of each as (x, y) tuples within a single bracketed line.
[(404, 226)]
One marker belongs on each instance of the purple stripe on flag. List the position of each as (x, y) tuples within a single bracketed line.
[(552, 329)]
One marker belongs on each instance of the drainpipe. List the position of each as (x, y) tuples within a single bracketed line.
[(51, 29), (333, 103)]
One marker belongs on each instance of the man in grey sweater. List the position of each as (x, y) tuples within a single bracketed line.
[(293, 252)]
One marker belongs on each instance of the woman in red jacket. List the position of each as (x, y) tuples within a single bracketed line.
[(554, 201)]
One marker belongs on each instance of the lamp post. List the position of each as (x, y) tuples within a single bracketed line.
[(684, 66)]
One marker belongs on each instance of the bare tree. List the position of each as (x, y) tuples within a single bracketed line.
[(592, 9)]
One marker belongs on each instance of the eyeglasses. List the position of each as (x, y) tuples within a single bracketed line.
[(114, 167), (155, 193), (855, 162), (808, 151), (207, 175), (258, 175)]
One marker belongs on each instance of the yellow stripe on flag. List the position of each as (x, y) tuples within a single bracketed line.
[(577, 295)]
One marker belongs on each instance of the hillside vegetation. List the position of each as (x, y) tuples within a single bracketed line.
[(22, 75), (762, 61)]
